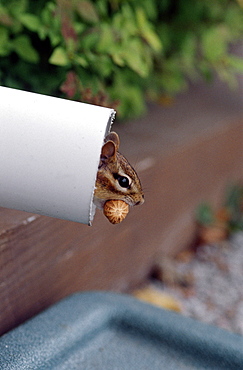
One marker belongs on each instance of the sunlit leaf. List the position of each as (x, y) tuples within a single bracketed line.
[(134, 59), (147, 32), (30, 21), (59, 57), (214, 43), (80, 60)]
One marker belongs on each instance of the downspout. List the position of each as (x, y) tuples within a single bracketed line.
[(49, 154)]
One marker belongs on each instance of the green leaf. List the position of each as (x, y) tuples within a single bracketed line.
[(50, 24), (117, 55), (80, 60), (22, 46), (103, 65), (30, 21), (87, 10), (106, 38), (59, 57), (17, 7), (151, 9), (135, 60), (172, 80), (90, 40), (128, 93), (4, 42), (234, 197), (47, 13), (131, 101), (204, 214), (5, 18), (152, 39), (206, 70), (226, 75), (146, 31), (132, 54), (214, 43), (79, 27), (236, 63)]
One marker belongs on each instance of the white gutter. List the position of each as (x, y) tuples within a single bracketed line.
[(49, 154)]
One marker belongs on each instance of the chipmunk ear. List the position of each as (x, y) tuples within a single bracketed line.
[(108, 151), (113, 136), (110, 147)]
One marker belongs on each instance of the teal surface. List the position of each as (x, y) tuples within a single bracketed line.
[(109, 331)]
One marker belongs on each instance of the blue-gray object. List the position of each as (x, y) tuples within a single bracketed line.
[(108, 331)]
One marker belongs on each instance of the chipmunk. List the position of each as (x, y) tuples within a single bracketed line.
[(116, 178)]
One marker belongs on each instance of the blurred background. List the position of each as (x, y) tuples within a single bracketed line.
[(172, 69), (118, 53)]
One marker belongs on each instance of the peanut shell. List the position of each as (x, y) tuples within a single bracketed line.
[(115, 210)]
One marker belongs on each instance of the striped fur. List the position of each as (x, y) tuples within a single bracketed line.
[(112, 165)]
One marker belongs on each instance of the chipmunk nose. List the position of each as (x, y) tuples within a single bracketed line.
[(140, 202)]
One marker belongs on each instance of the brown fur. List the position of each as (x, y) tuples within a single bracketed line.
[(114, 163)]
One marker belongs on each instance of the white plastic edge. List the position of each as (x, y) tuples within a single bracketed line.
[(49, 154)]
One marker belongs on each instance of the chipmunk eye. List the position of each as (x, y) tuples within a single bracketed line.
[(123, 181)]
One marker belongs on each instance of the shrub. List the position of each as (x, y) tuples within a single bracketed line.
[(117, 53)]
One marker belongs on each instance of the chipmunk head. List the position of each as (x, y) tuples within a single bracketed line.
[(116, 178)]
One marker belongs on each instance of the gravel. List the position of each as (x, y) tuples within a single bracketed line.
[(214, 293)]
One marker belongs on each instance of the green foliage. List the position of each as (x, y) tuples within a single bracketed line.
[(234, 204), (117, 52), (205, 214), (231, 211)]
